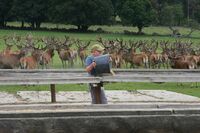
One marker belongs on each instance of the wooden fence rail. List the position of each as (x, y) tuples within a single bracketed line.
[(74, 76)]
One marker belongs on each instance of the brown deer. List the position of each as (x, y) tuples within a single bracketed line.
[(114, 49), (136, 59), (82, 53), (164, 54), (154, 58), (8, 41), (65, 53), (178, 63), (32, 61), (11, 61), (47, 56)]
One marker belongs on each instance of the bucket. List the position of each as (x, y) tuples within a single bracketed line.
[(102, 64)]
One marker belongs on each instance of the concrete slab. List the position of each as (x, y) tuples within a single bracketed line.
[(8, 98), (84, 97)]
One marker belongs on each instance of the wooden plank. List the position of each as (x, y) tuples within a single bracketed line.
[(73, 76)]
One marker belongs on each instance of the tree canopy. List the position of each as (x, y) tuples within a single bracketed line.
[(85, 13), (138, 13)]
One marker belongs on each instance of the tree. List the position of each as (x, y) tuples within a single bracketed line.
[(19, 10), (137, 13), (84, 13), (33, 12), (38, 13), (56, 11), (5, 7), (172, 15)]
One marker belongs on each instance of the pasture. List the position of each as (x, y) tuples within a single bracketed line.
[(185, 88)]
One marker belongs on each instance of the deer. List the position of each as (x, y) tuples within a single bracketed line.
[(32, 61), (154, 58), (11, 61), (177, 60), (114, 49), (9, 40), (178, 63), (82, 53), (65, 53), (130, 55), (164, 54), (47, 55)]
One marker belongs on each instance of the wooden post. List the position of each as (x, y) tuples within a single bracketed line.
[(97, 93), (53, 93)]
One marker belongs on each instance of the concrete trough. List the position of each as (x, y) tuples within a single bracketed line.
[(116, 118)]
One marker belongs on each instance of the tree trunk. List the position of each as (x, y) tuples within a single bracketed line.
[(22, 26), (79, 27), (139, 29), (57, 26), (5, 23), (2, 24), (84, 28), (33, 25), (38, 24)]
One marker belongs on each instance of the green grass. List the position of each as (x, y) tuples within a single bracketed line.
[(184, 88), (117, 33)]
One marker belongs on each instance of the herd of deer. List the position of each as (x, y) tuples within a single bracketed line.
[(177, 55), (33, 53)]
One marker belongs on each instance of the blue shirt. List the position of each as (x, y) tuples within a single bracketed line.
[(89, 61)]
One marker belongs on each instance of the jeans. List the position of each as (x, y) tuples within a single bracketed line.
[(102, 96)]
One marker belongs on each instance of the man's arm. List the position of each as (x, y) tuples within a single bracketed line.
[(90, 67)]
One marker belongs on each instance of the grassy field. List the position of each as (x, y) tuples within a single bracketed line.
[(117, 33)]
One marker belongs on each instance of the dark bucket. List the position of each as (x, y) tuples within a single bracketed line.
[(103, 64)]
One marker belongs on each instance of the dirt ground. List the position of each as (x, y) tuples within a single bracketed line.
[(84, 97)]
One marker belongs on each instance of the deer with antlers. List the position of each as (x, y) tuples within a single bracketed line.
[(178, 59), (9, 42), (154, 58), (32, 61), (82, 53), (11, 61), (65, 53), (135, 59), (47, 56), (114, 49)]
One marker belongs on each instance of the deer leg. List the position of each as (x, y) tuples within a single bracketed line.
[(149, 64), (72, 63), (82, 61), (62, 63)]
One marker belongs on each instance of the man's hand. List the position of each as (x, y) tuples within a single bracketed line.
[(91, 66), (94, 64)]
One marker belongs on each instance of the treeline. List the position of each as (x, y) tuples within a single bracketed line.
[(85, 13)]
